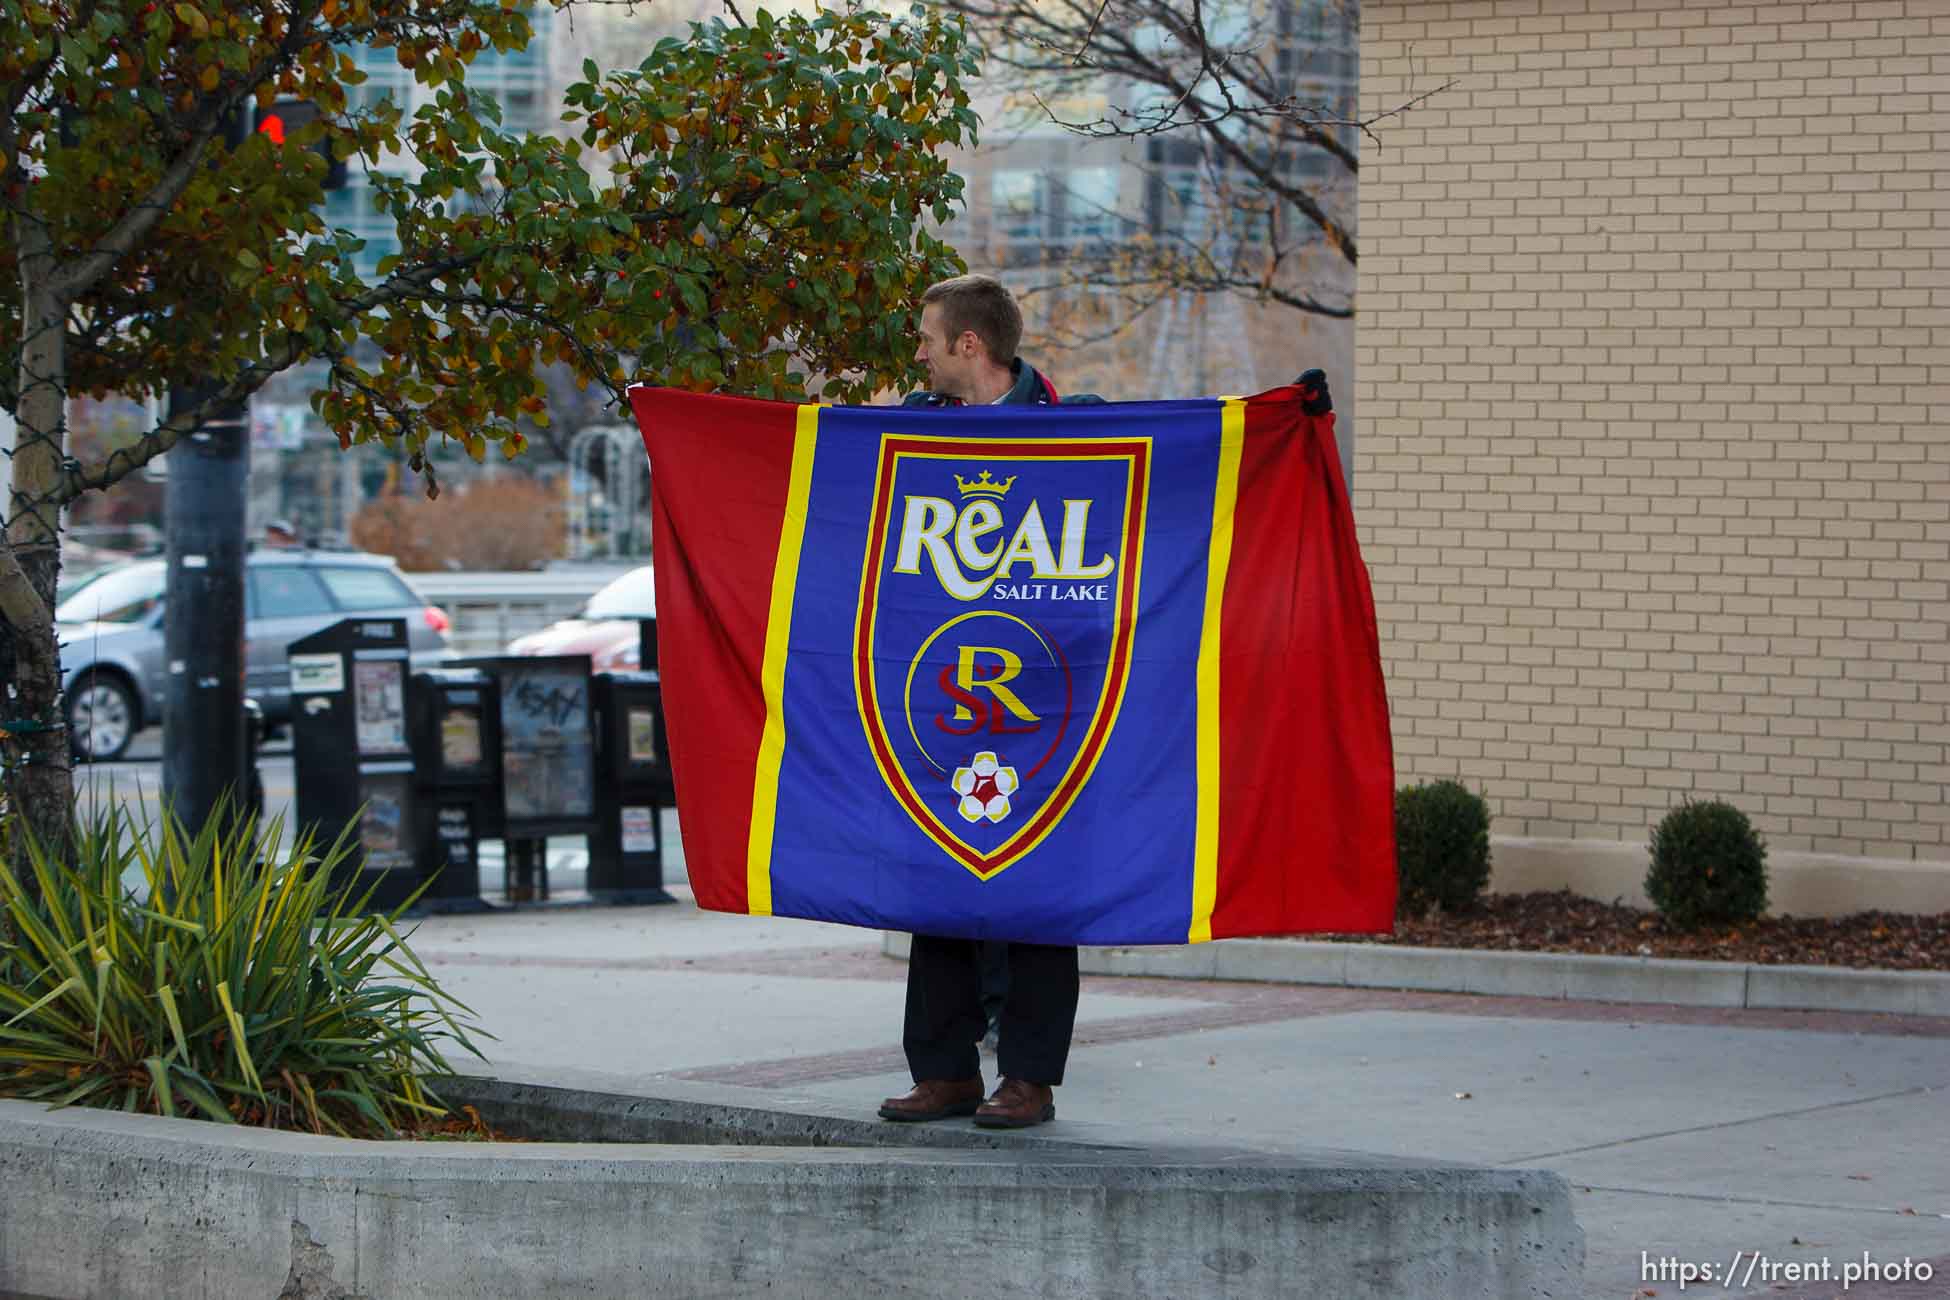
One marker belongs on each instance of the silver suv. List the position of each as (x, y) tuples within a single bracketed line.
[(111, 633)]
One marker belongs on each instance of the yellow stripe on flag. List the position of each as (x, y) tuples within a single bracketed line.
[(1225, 498), (778, 634)]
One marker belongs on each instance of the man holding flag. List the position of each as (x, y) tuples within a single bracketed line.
[(1011, 669), (970, 327)]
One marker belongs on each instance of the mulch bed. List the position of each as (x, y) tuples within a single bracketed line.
[(1565, 922), (464, 1125)]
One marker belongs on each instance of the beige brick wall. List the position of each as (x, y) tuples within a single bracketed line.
[(1654, 371)]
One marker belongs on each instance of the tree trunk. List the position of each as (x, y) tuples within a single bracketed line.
[(39, 781)]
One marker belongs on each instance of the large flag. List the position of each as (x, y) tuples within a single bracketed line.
[(1100, 674)]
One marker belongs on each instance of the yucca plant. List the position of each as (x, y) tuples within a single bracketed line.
[(238, 983)]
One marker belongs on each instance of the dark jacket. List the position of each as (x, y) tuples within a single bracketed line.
[(1031, 389)]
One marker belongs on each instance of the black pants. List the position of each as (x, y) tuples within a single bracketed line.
[(945, 1020)]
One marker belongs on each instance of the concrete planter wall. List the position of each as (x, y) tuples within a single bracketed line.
[(103, 1204)]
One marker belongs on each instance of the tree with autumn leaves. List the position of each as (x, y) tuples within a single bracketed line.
[(746, 210)]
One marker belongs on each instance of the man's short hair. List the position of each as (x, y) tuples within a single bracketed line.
[(983, 304)]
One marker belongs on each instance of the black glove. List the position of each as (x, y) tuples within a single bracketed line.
[(1314, 398)]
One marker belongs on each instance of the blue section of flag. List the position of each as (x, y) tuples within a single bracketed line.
[(1118, 863)]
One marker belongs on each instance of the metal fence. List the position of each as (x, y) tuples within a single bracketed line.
[(491, 609)]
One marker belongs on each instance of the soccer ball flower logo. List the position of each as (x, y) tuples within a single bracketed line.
[(984, 786)]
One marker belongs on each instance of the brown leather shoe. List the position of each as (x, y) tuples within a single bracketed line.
[(1017, 1105), (934, 1099)]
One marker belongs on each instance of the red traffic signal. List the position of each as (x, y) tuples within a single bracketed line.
[(284, 119)]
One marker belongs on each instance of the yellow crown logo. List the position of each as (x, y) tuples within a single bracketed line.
[(984, 485)]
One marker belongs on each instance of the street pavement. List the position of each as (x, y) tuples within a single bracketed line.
[(1799, 1140), (1808, 1153)]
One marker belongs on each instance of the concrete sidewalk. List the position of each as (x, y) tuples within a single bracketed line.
[(1817, 1139)]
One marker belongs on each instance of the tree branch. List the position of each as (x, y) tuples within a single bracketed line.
[(401, 286), (80, 275), (30, 77), (1084, 44), (26, 613)]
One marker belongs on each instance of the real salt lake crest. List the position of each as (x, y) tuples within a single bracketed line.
[(993, 641)]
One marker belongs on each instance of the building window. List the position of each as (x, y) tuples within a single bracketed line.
[(1090, 204), (1020, 208), (1178, 201)]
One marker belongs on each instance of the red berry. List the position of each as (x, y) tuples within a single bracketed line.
[(792, 284), (656, 293)]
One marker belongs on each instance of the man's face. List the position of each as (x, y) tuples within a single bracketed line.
[(950, 362)]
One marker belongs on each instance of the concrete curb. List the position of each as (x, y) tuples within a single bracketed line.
[(1569, 976), (103, 1203), (555, 1105)]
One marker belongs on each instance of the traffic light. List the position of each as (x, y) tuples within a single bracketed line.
[(285, 118)]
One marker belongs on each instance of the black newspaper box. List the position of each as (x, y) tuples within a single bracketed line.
[(350, 753), (548, 760), (454, 724), (626, 861)]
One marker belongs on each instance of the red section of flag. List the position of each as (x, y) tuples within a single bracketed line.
[(718, 508), (1311, 831)]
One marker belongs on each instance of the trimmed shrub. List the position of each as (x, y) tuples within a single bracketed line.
[(1442, 847), (235, 983), (1709, 866)]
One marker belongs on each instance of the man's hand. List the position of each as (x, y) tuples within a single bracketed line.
[(1314, 398)]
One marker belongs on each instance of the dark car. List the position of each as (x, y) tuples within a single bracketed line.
[(111, 631)]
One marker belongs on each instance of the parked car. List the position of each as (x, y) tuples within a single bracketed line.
[(605, 628), (111, 631)]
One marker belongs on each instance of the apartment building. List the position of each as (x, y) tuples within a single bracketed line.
[(1069, 220)]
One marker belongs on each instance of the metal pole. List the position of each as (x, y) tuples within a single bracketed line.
[(203, 620)]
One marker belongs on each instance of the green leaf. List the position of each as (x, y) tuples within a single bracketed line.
[(206, 1101), (159, 1076), (66, 986)]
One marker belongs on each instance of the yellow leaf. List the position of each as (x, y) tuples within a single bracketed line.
[(211, 76), (476, 447)]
